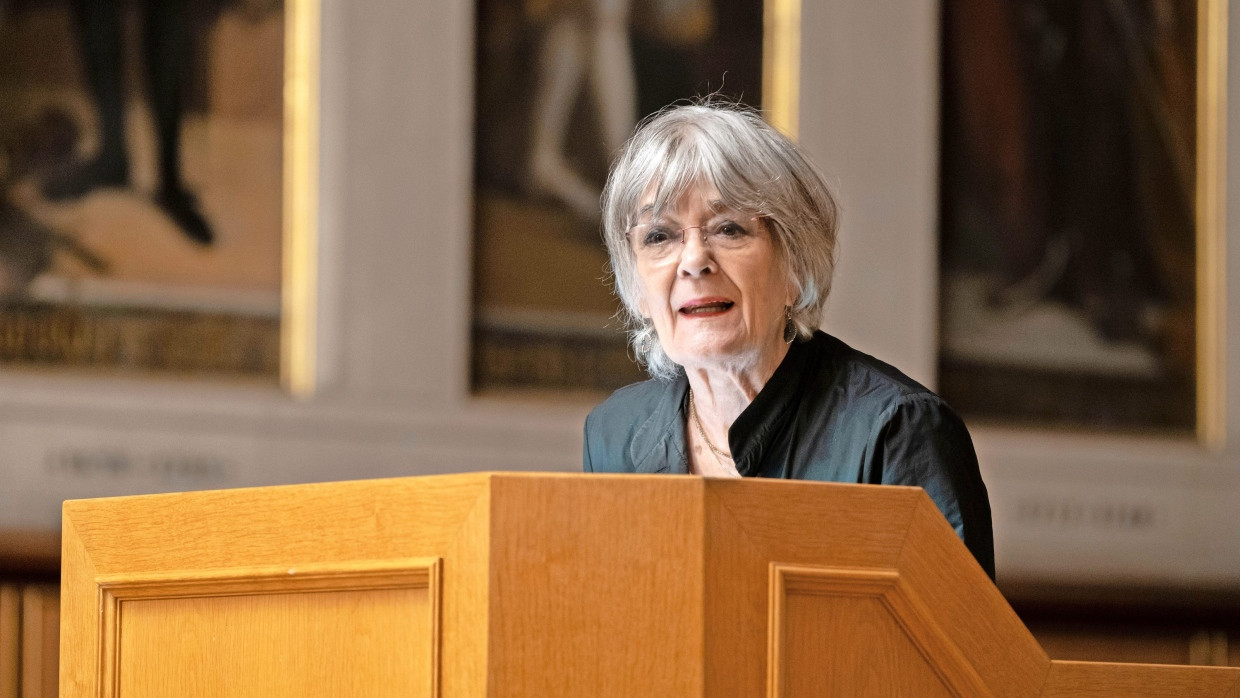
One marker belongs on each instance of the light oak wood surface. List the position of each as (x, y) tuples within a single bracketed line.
[(519, 584), (10, 640)]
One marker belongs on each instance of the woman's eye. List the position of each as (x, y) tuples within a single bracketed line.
[(729, 230), (657, 236)]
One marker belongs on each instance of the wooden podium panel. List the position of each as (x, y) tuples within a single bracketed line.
[(591, 596), (315, 590), (519, 584), (345, 643), (340, 631)]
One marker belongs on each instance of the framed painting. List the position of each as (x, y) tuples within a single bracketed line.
[(150, 152), (1079, 212), (560, 86)]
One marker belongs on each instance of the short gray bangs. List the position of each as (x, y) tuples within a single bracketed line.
[(691, 153)]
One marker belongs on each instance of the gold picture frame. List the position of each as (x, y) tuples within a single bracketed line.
[(132, 252), (1082, 210)]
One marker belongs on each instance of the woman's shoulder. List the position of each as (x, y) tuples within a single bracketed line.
[(623, 414), (633, 401), (861, 376), (627, 424)]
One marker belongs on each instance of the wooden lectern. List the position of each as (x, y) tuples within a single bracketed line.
[(506, 584)]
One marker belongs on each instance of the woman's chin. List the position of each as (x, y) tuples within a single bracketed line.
[(715, 352)]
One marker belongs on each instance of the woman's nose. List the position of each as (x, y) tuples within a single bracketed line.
[(695, 255)]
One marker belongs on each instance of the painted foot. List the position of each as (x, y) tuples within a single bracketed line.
[(182, 207)]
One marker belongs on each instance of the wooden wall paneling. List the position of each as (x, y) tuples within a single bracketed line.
[(50, 679), (51, 641), (31, 669), (40, 642), (1208, 647), (10, 640)]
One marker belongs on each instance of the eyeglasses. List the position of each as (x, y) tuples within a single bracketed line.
[(658, 243)]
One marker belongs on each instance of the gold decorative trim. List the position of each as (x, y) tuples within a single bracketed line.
[(412, 573), (898, 598), (781, 64), (1211, 221), (301, 178)]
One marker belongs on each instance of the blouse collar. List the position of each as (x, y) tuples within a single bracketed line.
[(658, 446)]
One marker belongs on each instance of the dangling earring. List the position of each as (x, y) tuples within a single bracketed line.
[(790, 327), (643, 346)]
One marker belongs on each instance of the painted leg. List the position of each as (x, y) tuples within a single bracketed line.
[(167, 53), (560, 76), (99, 35)]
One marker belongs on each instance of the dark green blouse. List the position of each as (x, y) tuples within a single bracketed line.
[(828, 413)]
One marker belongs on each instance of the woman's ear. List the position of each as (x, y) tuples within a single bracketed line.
[(792, 292)]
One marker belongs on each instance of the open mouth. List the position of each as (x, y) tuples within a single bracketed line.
[(707, 308)]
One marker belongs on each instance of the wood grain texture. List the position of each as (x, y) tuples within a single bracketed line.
[(806, 522), (736, 605), (32, 643), (791, 522), (363, 520), (79, 611), (596, 588), (207, 538), (1096, 680), (866, 629), (40, 641), (968, 607), (353, 643), (219, 633), (551, 585), (837, 646), (10, 640), (466, 625), (888, 528)]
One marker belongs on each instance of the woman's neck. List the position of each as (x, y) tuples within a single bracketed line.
[(721, 393)]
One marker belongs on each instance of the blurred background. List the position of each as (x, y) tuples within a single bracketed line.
[(1035, 224)]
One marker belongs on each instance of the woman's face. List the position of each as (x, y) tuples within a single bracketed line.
[(716, 304)]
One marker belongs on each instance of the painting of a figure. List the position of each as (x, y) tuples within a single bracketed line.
[(561, 85), (1068, 212), (140, 185)]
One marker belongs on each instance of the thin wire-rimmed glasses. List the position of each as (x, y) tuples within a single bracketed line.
[(655, 242)]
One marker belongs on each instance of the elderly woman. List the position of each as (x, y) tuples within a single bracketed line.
[(722, 238)]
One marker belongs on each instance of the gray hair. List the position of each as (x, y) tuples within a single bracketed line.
[(755, 169)]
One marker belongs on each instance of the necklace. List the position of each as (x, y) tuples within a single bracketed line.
[(719, 454)]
